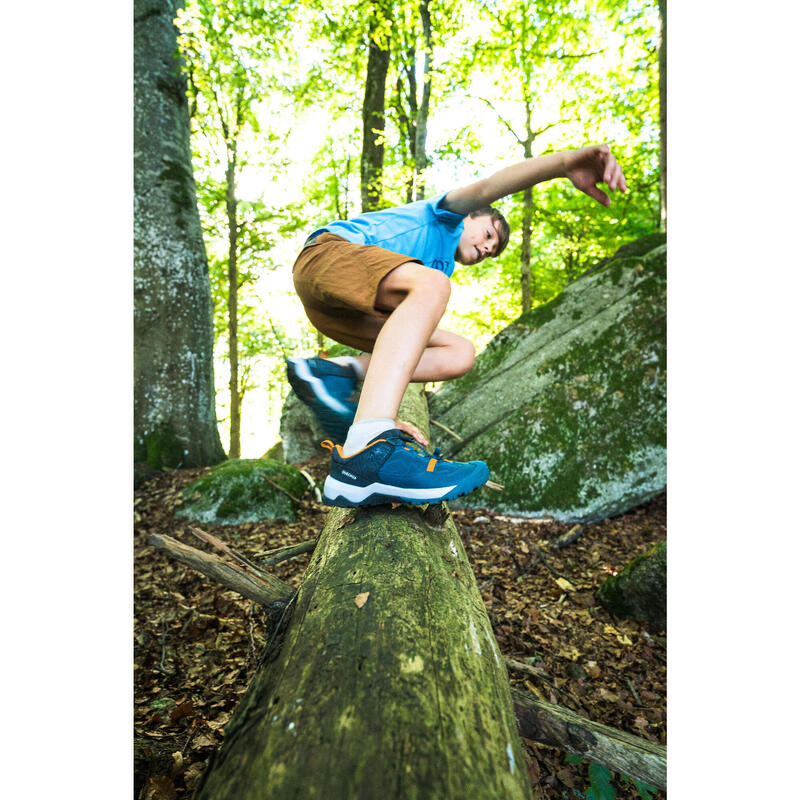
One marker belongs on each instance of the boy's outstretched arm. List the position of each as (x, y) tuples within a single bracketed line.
[(585, 167)]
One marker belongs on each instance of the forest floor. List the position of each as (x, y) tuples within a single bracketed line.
[(197, 644)]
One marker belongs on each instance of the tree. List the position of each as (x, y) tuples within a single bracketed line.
[(662, 110), (225, 51), (373, 118), (174, 416)]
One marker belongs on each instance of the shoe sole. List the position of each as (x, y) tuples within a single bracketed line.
[(333, 415), (307, 380), (335, 492)]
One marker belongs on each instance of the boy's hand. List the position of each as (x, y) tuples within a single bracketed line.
[(589, 166), (411, 430)]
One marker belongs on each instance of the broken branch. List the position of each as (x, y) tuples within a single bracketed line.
[(262, 589)]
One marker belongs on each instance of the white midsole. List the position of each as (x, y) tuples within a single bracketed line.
[(334, 488), (317, 386)]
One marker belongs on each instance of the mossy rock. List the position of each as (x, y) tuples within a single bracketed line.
[(275, 452), (237, 491), (640, 590), (567, 405)]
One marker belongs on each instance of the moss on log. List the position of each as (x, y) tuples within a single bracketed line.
[(388, 683), (640, 590)]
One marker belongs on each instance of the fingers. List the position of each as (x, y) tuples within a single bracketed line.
[(412, 430), (612, 175), (598, 194)]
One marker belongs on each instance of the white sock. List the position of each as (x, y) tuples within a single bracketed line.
[(361, 433), (350, 361)]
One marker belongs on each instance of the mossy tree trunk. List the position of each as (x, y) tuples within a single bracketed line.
[(175, 420), (373, 110), (640, 590), (662, 113), (389, 682)]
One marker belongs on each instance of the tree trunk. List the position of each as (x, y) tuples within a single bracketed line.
[(421, 128), (389, 683), (233, 301), (662, 111), (527, 224), (373, 114), (175, 420), (639, 590)]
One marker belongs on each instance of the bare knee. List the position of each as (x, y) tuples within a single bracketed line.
[(463, 358)]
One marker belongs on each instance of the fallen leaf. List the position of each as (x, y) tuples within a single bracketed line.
[(159, 787), (565, 585), (624, 639), (203, 741), (361, 599)]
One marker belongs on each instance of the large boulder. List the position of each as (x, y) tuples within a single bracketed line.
[(301, 433), (567, 404), (243, 490)]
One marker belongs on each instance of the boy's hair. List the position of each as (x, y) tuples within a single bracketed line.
[(503, 229)]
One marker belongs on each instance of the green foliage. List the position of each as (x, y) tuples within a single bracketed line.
[(276, 88), (601, 782)]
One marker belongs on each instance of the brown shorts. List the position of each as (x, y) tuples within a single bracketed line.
[(337, 282)]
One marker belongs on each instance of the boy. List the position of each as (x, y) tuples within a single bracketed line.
[(380, 283)]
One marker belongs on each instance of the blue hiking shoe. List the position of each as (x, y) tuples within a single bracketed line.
[(393, 468), (327, 389)]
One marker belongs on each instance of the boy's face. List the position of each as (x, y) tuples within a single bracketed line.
[(479, 240)]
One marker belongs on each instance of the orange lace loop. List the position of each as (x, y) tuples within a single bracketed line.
[(327, 444)]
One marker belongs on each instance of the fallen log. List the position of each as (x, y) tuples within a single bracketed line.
[(388, 682), (557, 726), (261, 588)]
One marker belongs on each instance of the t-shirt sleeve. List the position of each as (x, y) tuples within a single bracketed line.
[(450, 218)]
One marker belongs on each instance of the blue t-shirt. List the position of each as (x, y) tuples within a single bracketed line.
[(422, 230)]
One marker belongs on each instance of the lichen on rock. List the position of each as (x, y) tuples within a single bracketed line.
[(567, 404), (238, 491)]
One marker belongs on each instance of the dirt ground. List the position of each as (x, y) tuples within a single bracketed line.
[(197, 644)]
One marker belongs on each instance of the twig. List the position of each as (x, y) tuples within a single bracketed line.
[(281, 489), (204, 536), (633, 690), (272, 557), (497, 487), (445, 428), (313, 485), (520, 666), (161, 666), (572, 535)]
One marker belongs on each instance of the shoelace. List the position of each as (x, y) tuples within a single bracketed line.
[(417, 448)]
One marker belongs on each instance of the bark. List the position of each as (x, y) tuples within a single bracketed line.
[(557, 726), (639, 590), (231, 206), (373, 114), (389, 682), (662, 111), (526, 279), (174, 412), (421, 128)]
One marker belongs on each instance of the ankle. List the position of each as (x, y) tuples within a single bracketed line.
[(361, 433)]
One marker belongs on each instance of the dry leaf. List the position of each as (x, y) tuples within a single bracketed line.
[(361, 599), (624, 639), (565, 585), (159, 787)]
